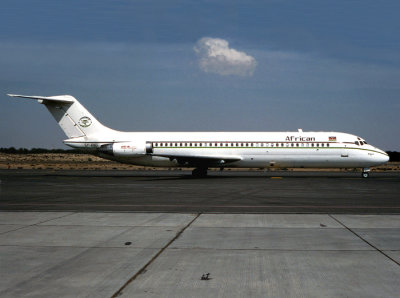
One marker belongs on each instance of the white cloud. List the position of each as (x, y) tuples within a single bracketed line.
[(215, 56)]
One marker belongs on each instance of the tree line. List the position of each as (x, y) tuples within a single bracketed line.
[(394, 155)]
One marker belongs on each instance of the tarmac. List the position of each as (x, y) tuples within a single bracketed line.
[(73, 254), (338, 235), (223, 192)]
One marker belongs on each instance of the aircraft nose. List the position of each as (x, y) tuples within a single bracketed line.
[(383, 157)]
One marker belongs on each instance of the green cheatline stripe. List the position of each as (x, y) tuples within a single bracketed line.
[(269, 148)]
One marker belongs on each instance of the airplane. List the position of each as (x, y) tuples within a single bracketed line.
[(203, 150)]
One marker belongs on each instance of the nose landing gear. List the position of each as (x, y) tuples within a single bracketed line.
[(365, 172)]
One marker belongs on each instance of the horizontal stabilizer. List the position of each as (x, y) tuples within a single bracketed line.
[(43, 99)]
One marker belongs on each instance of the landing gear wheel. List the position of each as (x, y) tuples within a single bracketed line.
[(365, 174), (199, 172)]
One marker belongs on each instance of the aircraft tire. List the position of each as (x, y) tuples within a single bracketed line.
[(365, 174)]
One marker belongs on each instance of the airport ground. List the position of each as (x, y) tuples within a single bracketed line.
[(103, 254), (85, 233), (178, 191)]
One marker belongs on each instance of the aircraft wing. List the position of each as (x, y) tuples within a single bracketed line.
[(201, 160)]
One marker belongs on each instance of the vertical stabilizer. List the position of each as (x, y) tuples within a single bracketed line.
[(72, 117)]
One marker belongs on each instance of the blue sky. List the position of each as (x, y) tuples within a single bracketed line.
[(317, 65)]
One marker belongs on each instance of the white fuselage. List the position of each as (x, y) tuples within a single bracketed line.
[(254, 149), (209, 149)]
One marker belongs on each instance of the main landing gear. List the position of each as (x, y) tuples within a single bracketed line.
[(365, 172), (199, 172)]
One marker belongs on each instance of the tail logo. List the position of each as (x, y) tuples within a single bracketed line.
[(85, 121)]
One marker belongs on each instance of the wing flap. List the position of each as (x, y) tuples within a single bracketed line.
[(201, 160)]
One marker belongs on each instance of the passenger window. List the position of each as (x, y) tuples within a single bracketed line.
[(312, 145)]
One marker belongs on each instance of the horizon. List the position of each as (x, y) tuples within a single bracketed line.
[(203, 66)]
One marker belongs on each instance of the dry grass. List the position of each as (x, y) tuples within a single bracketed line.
[(59, 161)]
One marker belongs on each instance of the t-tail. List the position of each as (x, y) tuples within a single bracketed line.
[(74, 119)]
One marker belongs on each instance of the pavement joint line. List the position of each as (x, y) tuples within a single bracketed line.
[(38, 223), (19, 228), (117, 293), (80, 246), (195, 248), (203, 212), (367, 242), (273, 249), (207, 206)]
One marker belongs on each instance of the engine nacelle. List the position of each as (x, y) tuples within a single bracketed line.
[(127, 149)]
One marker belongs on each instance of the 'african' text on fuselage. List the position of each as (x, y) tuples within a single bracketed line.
[(299, 139)]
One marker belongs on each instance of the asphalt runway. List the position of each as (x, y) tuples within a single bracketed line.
[(221, 192)]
